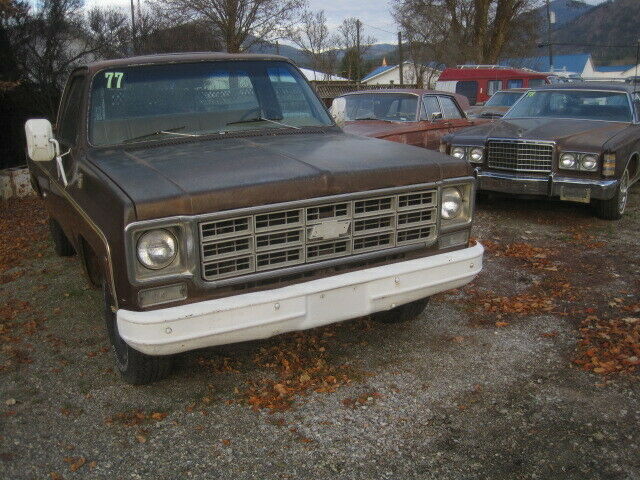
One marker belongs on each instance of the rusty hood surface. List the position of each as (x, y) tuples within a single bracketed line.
[(207, 176), (568, 133), (381, 129)]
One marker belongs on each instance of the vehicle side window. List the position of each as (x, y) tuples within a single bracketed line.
[(469, 89), (70, 112), (515, 83), (431, 105), (449, 108), (494, 86), (536, 82)]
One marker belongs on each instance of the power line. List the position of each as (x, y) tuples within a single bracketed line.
[(378, 28)]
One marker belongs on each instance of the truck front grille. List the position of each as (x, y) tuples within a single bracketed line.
[(242, 245), (520, 155)]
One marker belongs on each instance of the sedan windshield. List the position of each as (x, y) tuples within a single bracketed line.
[(503, 99), (153, 102), (579, 104), (392, 107)]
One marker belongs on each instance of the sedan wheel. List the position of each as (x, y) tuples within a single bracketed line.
[(613, 208)]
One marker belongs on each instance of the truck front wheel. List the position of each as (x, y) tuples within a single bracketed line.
[(61, 243), (135, 367), (403, 313)]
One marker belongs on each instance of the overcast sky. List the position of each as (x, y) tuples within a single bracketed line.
[(374, 14)]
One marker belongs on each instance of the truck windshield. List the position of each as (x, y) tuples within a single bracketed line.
[(395, 107), (503, 99), (152, 102), (579, 104)]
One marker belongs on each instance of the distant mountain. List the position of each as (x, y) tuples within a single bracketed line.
[(375, 51), (614, 22), (565, 11), (288, 51)]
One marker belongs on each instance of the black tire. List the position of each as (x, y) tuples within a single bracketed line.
[(61, 243), (135, 367), (614, 208), (401, 314)]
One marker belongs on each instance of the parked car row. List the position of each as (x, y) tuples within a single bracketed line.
[(214, 200), (578, 142)]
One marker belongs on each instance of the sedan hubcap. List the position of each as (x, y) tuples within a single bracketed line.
[(624, 191)]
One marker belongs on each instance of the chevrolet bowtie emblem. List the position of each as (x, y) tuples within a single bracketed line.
[(329, 230)]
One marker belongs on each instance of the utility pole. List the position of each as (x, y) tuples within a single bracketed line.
[(277, 47), (635, 78), (133, 29), (358, 53), (549, 35), (400, 59)]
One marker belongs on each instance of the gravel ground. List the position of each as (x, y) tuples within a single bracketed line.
[(469, 390)]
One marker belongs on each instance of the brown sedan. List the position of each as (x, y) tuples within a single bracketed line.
[(415, 117)]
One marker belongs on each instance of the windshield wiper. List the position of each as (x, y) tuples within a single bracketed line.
[(373, 118), (167, 131), (261, 119)]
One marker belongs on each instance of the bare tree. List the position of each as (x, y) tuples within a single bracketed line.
[(312, 36), (457, 31), (239, 23), (348, 33)]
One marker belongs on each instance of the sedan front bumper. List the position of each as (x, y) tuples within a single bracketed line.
[(301, 306), (566, 188)]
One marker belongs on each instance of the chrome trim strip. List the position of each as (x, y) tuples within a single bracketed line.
[(93, 226)]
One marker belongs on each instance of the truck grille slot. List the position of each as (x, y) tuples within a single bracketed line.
[(415, 235), (226, 228), (279, 239), (323, 251), (269, 241), (328, 212), (372, 242), (520, 155)]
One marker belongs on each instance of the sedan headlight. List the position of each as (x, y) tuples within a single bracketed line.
[(451, 203), (458, 152), (589, 163), (157, 249), (476, 155), (569, 161)]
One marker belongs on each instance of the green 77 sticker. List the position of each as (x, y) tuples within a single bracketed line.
[(110, 76)]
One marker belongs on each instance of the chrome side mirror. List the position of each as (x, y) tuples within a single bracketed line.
[(40, 141), (436, 116), (41, 146)]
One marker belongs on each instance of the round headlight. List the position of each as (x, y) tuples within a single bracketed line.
[(451, 203), (458, 152), (589, 162), (568, 161), (476, 155), (157, 249)]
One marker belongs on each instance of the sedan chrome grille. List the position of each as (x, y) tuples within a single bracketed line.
[(268, 241), (520, 155)]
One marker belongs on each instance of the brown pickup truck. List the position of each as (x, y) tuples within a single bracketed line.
[(214, 201)]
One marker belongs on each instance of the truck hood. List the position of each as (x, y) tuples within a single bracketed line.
[(568, 133), (205, 176)]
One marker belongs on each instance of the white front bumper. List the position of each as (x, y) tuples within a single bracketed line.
[(297, 307)]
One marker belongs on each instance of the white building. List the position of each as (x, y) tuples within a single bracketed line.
[(321, 76), (390, 75)]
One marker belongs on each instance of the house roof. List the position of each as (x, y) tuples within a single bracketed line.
[(316, 75), (571, 63), (384, 68), (614, 68), (377, 71)]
